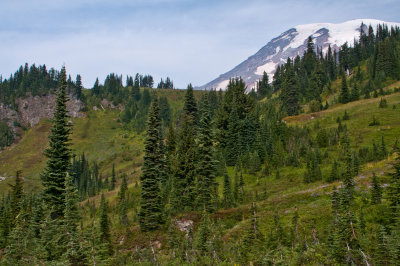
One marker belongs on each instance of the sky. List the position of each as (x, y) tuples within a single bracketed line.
[(191, 41)]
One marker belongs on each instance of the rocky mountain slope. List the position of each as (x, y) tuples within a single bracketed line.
[(290, 44), (31, 109)]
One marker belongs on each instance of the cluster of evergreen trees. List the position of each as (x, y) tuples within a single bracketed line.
[(167, 84), (6, 135), (140, 80), (307, 78), (36, 81)]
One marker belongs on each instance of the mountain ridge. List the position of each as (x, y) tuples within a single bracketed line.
[(290, 44)]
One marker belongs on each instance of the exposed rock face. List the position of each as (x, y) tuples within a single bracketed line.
[(184, 225), (33, 108)]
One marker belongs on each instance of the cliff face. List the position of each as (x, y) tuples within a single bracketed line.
[(33, 108)]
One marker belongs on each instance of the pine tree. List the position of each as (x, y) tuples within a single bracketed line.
[(344, 93), (383, 151), (136, 88), (150, 215), (264, 89), (348, 174), (105, 235), (376, 191), (232, 145), (334, 172), (122, 202), (58, 154), (17, 194), (356, 164), (289, 93), (206, 167), (355, 93), (394, 190), (78, 87), (204, 233), (113, 178), (190, 105), (74, 254), (227, 191)]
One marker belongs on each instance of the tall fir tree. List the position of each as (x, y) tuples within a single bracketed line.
[(206, 167), (58, 153), (227, 200), (344, 93), (74, 253), (376, 191), (151, 209)]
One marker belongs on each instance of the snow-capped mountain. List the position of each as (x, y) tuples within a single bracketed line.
[(292, 43)]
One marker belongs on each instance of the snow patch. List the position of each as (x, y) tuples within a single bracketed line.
[(223, 85), (268, 67)]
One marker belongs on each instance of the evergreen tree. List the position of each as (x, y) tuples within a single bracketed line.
[(113, 178), (58, 154), (348, 174), (74, 253), (184, 187), (376, 191), (232, 145), (264, 89), (150, 215), (206, 164), (122, 202), (190, 105), (105, 235), (17, 194), (289, 90), (394, 190), (344, 93), (136, 88), (334, 175), (227, 192), (78, 87)]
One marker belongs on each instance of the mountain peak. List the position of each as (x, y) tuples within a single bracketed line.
[(292, 43)]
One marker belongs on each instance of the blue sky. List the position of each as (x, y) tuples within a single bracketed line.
[(189, 41)]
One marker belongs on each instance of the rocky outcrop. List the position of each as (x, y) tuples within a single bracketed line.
[(31, 109)]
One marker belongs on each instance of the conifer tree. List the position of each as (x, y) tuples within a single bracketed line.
[(383, 151), (122, 202), (348, 174), (204, 233), (227, 191), (232, 145), (376, 192), (58, 154), (236, 186), (334, 172), (105, 235), (289, 90), (356, 164), (344, 93), (74, 254), (17, 194), (206, 164), (78, 87), (184, 187), (113, 178), (150, 215), (394, 189), (190, 105)]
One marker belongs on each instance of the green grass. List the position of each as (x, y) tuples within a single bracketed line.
[(103, 138)]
